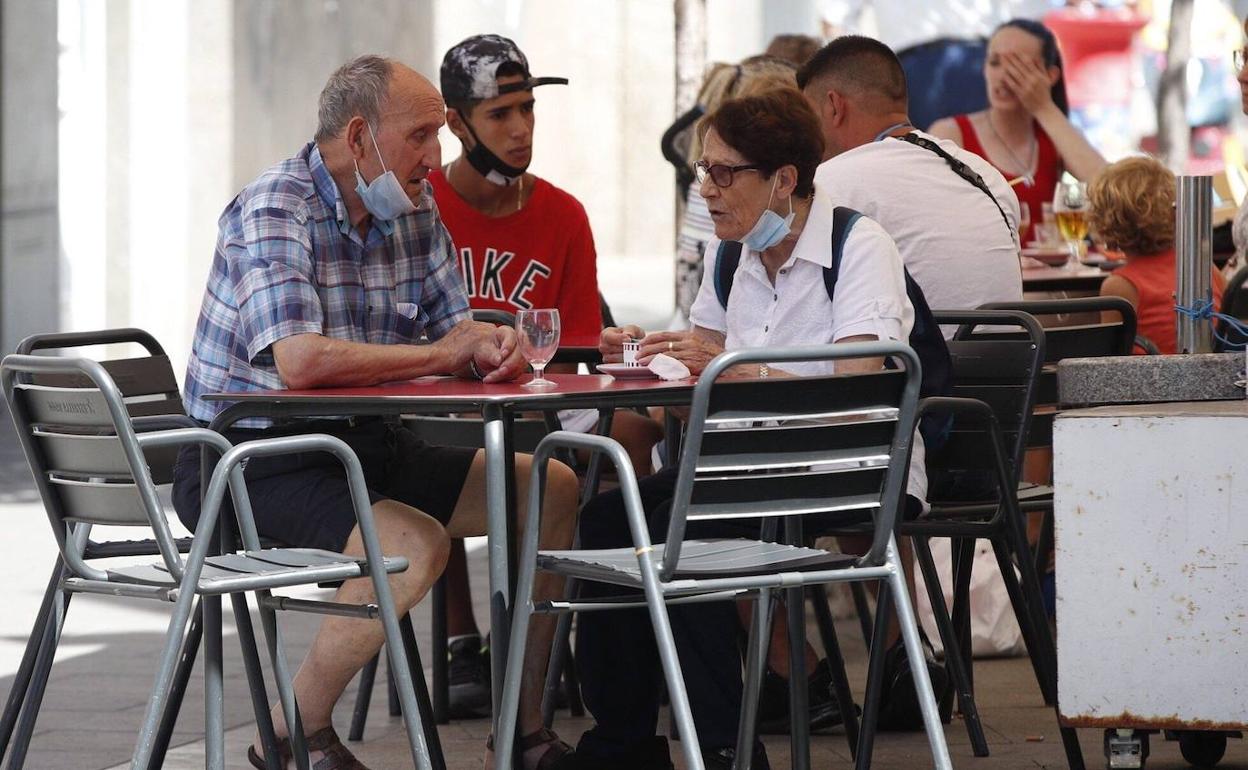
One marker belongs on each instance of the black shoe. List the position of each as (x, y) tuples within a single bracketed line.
[(646, 755), (469, 675), (899, 702), (723, 759), (773, 705)]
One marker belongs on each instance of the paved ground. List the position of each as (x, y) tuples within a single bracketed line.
[(105, 667)]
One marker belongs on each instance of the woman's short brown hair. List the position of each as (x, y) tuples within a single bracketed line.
[(1133, 206), (773, 129)]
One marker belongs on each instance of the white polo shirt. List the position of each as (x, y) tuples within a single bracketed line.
[(870, 299), (950, 234)]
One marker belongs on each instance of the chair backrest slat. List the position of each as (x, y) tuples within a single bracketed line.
[(790, 446), (113, 502)]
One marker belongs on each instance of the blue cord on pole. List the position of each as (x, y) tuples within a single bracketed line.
[(1202, 310)]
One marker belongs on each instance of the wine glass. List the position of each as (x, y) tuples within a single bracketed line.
[(538, 333), (1070, 205)]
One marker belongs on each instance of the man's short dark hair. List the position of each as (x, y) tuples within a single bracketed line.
[(860, 65)]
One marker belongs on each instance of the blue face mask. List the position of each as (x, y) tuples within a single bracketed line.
[(383, 197), (770, 228)]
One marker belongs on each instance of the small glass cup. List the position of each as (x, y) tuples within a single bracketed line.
[(538, 333), (631, 349)]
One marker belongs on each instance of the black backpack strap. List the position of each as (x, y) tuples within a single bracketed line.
[(959, 168), (727, 257), (843, 219)]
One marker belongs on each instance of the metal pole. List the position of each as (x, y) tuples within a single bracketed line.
[(1193, 253)]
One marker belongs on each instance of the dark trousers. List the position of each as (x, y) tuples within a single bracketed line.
[(616, 655)]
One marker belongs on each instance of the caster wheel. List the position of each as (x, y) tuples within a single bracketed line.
[(1202, 749)]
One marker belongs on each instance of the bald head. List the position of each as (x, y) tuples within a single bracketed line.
[(860, 68)]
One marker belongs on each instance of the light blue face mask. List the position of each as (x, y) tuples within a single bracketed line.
[(383, 197), (770, 228)]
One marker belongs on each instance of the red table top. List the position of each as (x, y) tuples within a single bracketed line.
[(579, 387)]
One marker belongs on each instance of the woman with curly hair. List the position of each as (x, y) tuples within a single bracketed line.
[(1133, 212)]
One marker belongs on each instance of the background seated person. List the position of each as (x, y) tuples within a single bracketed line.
[(757, 169), (1133, 212), (1025, 133), (521, 243)]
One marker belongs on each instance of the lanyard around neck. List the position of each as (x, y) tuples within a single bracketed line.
[(884, 134)]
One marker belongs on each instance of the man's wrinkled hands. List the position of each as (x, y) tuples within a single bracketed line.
[(497, 358), (611, 342)]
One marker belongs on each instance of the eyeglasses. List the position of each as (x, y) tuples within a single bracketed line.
[(1238, 57), (721, 175)]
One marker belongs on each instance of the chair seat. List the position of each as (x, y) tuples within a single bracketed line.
[(251, 570), (699, 559)]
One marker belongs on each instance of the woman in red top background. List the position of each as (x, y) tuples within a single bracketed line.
[(1025, 132), (1133, 212)]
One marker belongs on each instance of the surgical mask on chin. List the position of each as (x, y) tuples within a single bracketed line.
[(770, 228), (489, 165), (384, 196)]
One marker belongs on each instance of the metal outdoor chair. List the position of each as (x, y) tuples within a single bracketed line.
[(92, 467), (150, 389), (973, 494), (774, 450), (1060, 342)]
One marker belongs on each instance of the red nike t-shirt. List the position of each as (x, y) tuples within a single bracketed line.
[(539, 257)]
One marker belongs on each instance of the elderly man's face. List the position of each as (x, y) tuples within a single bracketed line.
[(736, 207), (407, 136)]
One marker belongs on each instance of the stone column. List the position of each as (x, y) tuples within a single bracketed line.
[(29, 243)]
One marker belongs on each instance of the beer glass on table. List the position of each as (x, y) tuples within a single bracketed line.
[(1070, 205)]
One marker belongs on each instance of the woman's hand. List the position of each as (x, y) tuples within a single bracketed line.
[(611, 341), (690, 348), (1029, 80)]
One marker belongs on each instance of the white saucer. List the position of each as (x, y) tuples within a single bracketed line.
[(626, 372)]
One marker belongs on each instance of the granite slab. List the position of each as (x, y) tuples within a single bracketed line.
[(1150, 379)]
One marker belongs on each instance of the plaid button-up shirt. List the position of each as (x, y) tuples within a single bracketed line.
[(289, 262)]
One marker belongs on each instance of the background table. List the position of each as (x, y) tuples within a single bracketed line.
[(1082, 278), (498, 403)]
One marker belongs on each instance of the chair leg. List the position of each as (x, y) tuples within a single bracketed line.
[(1040, 663), (214, 686), (572, 683), (755, 666), (1044, 544), (26, 669), (559, 657), (285, 686), (508, 715), (918, 664), (836, 661), (432, 740), (799, 697), (438, 649), (255, 678), (157, 703), (863, 607), (359, 714), (177, 690), (875, 678), (392, 694), (403, 675), (963, 564), (953, 662), (39, 679)]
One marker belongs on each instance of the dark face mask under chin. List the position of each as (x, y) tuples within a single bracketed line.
[(490, 165)]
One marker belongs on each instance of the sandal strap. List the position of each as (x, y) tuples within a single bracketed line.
[(554, 754), (336, 755)]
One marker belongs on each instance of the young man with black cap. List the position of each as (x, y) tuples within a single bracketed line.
[(522, 243)]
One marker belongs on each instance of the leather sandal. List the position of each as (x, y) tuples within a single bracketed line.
[(558, 755), (336, 756)]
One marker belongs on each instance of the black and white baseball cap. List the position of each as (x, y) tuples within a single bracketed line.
[(469, 69)]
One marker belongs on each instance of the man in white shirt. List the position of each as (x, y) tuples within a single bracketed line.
[(954, 219)]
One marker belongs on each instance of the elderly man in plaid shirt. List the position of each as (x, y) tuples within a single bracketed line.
[(328, 267)]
